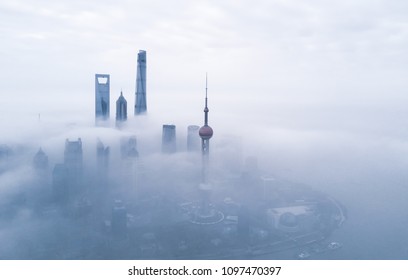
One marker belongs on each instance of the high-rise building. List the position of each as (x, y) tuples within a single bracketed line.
[(102, 93), (169, 139), (130, 163), (128, 147), (119, 219), (60, 184), (73, 161), (40, 161), (73, 154), (102, 158), (270, 189), (140, 103), (121, 110), (193, 139)]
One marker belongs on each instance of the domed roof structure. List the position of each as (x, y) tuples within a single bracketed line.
[(206, 132)]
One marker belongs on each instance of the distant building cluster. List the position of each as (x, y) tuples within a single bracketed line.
[(102, 95), (69, 184), (176, 216), (169, 140), (67, 176)]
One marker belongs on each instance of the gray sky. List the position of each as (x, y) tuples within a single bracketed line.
[(301, 65), (316, 89)]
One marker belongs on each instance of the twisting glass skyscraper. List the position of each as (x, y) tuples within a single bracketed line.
[(140, 104)]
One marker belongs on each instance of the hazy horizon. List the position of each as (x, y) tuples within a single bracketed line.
[(316, 91)]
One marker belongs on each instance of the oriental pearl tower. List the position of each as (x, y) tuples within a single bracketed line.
[(206, 213), (205, 132)]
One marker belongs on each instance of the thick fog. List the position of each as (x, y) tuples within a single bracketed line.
[(315, 91)]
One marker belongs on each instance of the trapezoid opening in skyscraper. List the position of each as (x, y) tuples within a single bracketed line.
[(102, 95)]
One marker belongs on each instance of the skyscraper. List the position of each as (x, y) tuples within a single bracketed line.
[(130, 163), (121, 110), (73, 154), (119, 219), (40, 161), (102, 162), (102, 92), (73, 161), (128, 147), (60, 183), (140, 103), (169, 139), (193, 139)]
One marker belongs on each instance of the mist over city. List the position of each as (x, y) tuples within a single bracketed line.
[(306, 158)]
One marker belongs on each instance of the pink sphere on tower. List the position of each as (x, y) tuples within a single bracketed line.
[(206, 132)]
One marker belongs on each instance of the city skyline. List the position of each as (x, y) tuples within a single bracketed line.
[(294, 44), (316, 91), (174, 209)]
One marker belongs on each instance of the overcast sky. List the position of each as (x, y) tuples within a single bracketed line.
[(301, 65), (316, 89)]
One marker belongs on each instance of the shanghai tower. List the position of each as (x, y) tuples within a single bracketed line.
[(140, 103)]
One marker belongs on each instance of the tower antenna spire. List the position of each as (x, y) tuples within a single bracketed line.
[(205, 132), (206, 101), (206, 82)]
